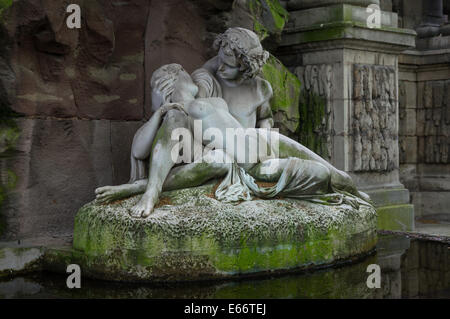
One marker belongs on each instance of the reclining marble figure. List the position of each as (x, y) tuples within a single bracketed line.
[(225, 93)]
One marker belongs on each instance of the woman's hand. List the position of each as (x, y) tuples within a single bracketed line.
[(172, 106)]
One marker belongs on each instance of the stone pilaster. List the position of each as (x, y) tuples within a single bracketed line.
[(425, 116), (354, 69), (433, 17)]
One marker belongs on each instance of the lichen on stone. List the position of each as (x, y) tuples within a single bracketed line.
[(286, 95), (269, 17), (209, 239)]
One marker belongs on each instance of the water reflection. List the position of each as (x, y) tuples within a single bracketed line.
[(409, 269)]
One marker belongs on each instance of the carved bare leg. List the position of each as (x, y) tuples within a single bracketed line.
[(161, 162), (197, 173), (137, 170)]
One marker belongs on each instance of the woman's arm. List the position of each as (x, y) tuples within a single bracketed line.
[(264, 116)]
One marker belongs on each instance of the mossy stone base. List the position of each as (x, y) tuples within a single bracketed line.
[(195, 237)]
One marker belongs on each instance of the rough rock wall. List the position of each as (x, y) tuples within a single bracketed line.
[(77, 96), (433, 123)]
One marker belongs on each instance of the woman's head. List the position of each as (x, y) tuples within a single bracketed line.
[(240, 54), (171, 83)]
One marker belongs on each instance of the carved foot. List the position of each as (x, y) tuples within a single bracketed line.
[(145, 206)]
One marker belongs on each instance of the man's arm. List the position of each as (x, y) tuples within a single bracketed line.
[(208, 86), (265, 116)]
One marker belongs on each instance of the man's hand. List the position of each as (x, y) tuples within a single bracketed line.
[(266, 123)]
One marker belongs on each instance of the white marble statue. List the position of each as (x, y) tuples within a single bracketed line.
[(225, 93)]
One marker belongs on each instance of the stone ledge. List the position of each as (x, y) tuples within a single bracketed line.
[(337, 12), (198, 238), (389, 197), (396, 217), (19, 260)]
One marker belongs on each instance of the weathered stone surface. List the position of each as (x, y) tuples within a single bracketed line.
[(433, 122), (77, 72), (58, 164), (103, 69), (15, 261), (304, 4), (286, 96), (396, 217), (59, 77), (408, 149), (375, 130), (195, 237), (316, 109), (338, 12), (388, 197)]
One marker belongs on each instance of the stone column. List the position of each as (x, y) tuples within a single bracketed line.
[(353, 69), (424, 81), (433, 17)]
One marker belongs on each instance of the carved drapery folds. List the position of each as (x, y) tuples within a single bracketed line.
[(374, 118)]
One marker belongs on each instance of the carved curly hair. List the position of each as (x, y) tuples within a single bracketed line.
[(247, 49)]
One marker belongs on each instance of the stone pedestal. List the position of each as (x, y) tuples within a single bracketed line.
[(192, 236), (353, 70)]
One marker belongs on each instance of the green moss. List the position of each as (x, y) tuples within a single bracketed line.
[(396, 217), (200, 238), (286, 93), (312, 124), (269, 17), (279, 14), (285, 86), (4, 4), (323, 33)]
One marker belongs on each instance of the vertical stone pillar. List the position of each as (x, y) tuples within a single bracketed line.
[(341, 57), (433, 17), (424, 80)]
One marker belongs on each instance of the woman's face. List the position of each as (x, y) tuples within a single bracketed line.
[(228, 64), (185, 89)]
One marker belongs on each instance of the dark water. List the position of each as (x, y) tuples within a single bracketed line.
[(409, 269)]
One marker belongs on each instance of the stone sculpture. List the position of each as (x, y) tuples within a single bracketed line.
[(225, 93), (205, 215)]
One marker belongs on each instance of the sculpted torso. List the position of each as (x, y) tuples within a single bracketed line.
[(243, 98)]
